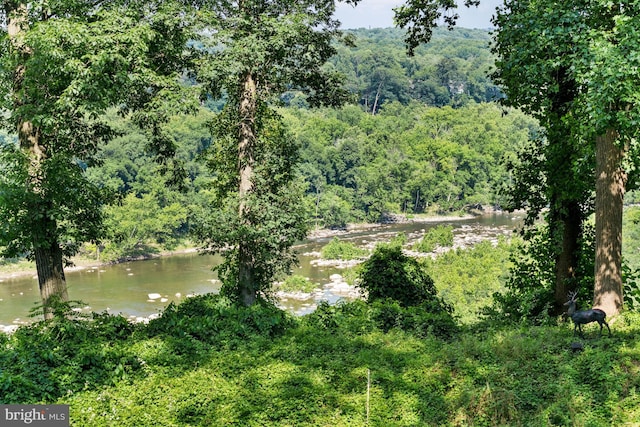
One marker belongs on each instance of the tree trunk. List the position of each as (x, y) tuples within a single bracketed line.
[(51, 280), (610, 187), (375, 103), (570, 222), (246, 159)]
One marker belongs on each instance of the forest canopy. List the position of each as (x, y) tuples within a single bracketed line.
[(410, 155)]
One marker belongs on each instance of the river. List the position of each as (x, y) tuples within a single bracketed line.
[(140, 289)]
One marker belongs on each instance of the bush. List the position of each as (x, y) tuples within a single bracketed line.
[(631, 287), (297, 283), (530, 285), (389, 273), (468, 277), (46, 360), (215, 320), (346, 251), (426, 319), (402, 295), (358, 317), (353, 316), (442, 235)]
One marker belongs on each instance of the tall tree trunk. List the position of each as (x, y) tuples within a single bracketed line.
[(375, 103), (51, 280), (610, 187), (47, 251), (246, 159), (570, 228)]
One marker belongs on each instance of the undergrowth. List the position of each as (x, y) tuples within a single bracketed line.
[(208, 363)]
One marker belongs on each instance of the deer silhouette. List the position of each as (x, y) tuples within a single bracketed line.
[(582, 317)]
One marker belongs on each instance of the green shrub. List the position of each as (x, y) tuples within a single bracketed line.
[(442, 235), (389, 273), (357, 317), (468, 277), (631, 284), (216, 321), (402, 295), (346, 251), (426, 319), (297, 283), (49, 359), (530, 284), (399, 239), (353, 316)]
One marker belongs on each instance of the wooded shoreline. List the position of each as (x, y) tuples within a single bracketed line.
[(80, 263)]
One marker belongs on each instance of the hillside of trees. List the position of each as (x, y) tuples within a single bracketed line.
[(452, 69), (357, 167), (413, 153)]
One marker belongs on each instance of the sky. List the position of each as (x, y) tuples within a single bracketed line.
[(379, 14)]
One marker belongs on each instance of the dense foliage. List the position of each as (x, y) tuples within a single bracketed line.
[(356, 167), (406, 159), (147, 215), (390, 274), (440, 236), (63, 64), (273, 218), (580, 81), (316, 371), (452, 69)]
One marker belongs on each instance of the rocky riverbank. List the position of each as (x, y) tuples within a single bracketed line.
[(465, 236), (333, 284)]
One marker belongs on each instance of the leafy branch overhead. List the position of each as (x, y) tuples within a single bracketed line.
[(420, 17)]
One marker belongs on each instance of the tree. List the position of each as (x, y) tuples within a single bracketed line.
[(420, 17), (607, 68), (139, 221), (257, 51), (533, 68), (579, 77), (599, 74), (62, 64)]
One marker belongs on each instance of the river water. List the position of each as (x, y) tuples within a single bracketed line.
[(140, 289)]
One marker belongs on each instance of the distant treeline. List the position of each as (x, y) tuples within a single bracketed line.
[(453, 69)]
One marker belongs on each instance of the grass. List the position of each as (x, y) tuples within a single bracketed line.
[(314, 373)]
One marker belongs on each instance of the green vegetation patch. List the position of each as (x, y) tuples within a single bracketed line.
[(346, 251), (467, 278), (334, 367), (442, 236), (297, 283)]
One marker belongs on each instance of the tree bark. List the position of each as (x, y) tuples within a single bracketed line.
[(610, 188), (570, 222), (51, 279), (246, 159)]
